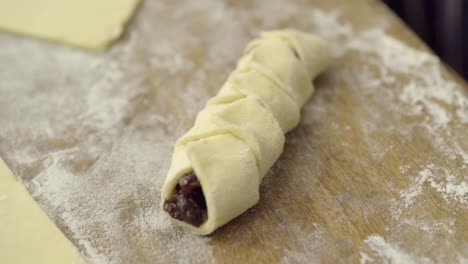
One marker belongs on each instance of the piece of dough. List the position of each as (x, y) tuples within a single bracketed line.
[(240, 134), (84, 23), (27, 235)]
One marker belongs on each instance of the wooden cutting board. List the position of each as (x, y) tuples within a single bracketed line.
[(375, 172)]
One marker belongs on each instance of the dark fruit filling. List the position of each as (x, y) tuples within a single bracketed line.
[(188, 204)]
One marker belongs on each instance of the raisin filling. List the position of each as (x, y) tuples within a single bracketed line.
[(188, 204)]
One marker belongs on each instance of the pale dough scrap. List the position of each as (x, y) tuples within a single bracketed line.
[(27, 235), (239, 135), (85, 23)]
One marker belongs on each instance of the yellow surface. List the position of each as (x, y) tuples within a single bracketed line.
[(85, 23), (27, 235)]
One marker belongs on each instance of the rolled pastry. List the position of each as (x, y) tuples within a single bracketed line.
[(239, 134)]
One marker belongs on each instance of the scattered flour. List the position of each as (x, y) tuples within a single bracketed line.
[(416, 188), (118, 202), (341, 33), (3, 197), (386, 58), (387, 253), (439, 108), (433, 107), (431, 227), (441, 180), (314, 238), (404, 168), (451, 190), (365, 258)]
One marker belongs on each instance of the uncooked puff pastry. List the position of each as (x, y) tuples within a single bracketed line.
[(27, 235), (239, 135), (84, 23)]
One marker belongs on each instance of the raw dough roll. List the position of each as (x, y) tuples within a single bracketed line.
[(239, 135)]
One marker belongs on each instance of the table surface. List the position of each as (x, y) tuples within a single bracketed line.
[(376, 170)]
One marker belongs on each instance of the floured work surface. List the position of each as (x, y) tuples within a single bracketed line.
[(376, 170)]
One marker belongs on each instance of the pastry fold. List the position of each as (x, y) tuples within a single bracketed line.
[(240, 133)]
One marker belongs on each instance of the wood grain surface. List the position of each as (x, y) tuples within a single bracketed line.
[(375, 172)]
